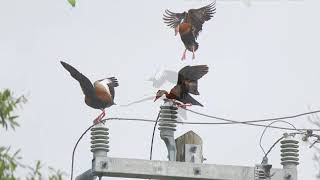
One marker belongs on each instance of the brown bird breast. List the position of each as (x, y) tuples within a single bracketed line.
[(184, 28)]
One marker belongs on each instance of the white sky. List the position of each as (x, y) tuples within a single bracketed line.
[(263, 59)]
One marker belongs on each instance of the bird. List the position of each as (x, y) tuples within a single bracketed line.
[(187, 84), (99, 95), (189, 24), (163, 76)]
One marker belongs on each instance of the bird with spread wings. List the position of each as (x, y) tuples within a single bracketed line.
[(189, 24)]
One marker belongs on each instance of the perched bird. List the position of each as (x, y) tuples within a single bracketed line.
[(187, 83), (98, 95), (189, 24)]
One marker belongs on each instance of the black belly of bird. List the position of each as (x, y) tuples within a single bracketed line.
[(189, 41)]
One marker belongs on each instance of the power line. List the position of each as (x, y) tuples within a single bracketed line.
[(154, 129), (212, 123), (228, 121), (251, 122), (75, 147), (264, 131)]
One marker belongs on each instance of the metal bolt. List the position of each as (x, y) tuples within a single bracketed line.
[(287, 176), (197, 171), (193, 149), (104, 164)]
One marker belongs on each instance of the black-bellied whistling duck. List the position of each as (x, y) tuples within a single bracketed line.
[(98, 95), (191, 25), (187, 83)]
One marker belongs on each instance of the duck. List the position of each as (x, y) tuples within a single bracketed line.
[(187, 84), (99, 95), (189, 24)]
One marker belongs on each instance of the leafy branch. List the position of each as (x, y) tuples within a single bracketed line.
[(8, 104)]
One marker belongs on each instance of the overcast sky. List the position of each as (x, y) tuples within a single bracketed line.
[(263, 60)]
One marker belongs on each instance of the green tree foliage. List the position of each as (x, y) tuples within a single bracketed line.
[(72, 2), (10, 162), (7, 105)]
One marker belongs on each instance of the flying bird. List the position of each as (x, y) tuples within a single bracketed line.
[(189, 24), (187, 84), (163, 76), (99, 95)]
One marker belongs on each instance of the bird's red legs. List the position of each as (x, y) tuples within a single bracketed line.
[(184, 105), (178, 104), (193, 55), (184, 55), (99, 118), (176, 30)]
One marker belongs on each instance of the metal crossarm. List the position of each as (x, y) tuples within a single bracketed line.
[(145, 169)]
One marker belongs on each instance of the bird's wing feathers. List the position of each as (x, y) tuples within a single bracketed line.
[(113, 82), (199, 16), (192, 73), (188, 78), (187, 98), (85, 83), (173, 19)]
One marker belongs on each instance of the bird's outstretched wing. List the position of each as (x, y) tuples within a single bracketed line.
[(85, 83), (188, 78), (173, 19), (199, 16)]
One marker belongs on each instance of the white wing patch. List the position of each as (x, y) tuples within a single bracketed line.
[(104, 83)]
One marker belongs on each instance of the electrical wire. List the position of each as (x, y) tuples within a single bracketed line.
[(75, 147), (265, 129), (212, 123), (251, 122), (227, 121), (270, 149), (154, 129)]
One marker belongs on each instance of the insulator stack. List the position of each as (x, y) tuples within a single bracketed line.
[(289, 151), (259, 173), (99, 139), (168, 116), (167, 126)]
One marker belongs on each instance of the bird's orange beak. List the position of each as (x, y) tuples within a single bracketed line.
[(157, 97)]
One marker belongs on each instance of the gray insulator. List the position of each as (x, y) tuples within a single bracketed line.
[(167, 126), (168, 116), (99, 139), (289, 151), (259, 173)]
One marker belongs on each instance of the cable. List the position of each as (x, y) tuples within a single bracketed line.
[(154, 129), (274, 144), (251, 122), (212, 123), (228, 121), (103, 121), (265, 129), (75, 147)]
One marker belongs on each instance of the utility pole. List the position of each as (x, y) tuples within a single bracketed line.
[(185, 158)]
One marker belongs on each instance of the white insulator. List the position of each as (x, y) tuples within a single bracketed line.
[(99, 139), (167, 117), (259, 173), (289, 151)]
